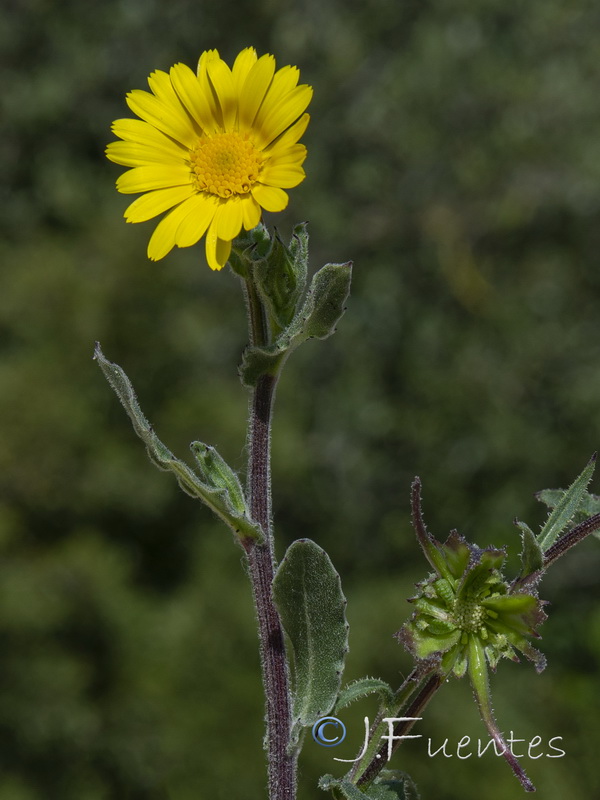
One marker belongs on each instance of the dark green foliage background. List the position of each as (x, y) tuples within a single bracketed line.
[(454, 155)]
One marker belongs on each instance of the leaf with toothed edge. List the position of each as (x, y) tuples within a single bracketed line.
[(566, 507), (308, 593), (391, 785), (363, 687)]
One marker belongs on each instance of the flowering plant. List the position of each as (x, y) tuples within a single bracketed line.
[(214, 149)]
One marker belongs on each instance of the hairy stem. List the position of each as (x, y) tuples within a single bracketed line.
[(275, 672), (571, 538), (401, 729), (401, 698)]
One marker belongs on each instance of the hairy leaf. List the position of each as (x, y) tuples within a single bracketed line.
[(308, 593)]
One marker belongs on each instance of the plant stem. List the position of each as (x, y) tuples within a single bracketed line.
[(281, 761), (401, 697), (571, 538), (378, 762)]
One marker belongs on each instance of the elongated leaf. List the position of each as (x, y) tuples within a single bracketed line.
[(532, 558), (308, 593), (217, 487), (590, 503), (362, 688), (566, 507)]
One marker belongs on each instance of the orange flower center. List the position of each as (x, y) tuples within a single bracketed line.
[(225, 164)]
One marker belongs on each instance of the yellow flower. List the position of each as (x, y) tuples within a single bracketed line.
[(215, 148)]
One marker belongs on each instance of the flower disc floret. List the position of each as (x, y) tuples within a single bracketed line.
[(469, 615), (225, 164), (213, 149)]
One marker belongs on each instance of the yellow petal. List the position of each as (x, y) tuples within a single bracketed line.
[(284, 80), (206, 56), (205, 84), (195, 224), (283, 114), (271, 198), (242, 66), (130, 154), (222, 82), (165, 118), (251, 212), (254, 90), (289, 137), (154, 203), (145, 179), (161, 86), (283, 175), (162, 240), (228, 219), (217, 251), (193, 98), (295, 154), (135, 130)]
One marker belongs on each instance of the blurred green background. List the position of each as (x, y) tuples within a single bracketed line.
[(454, 155)]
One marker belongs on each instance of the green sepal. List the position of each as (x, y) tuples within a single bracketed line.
[(317, 317), (219, 493), (483, 571), (456, 554), (478, 676), (308, 593), (566, 507), (363, 687)]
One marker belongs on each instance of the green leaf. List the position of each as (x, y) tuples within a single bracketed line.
[(324, 303), (308, 594), (401, 783), (281, 276), (322, 308), (343, 786), (532, 558), (362, 688), (247, 248), (258, 361), (566, 507), (390, 786), (590, 503), (216, 472), (218, 486)]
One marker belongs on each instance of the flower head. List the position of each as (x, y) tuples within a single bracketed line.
[(213, 149), (468, 617), (467, 603)]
